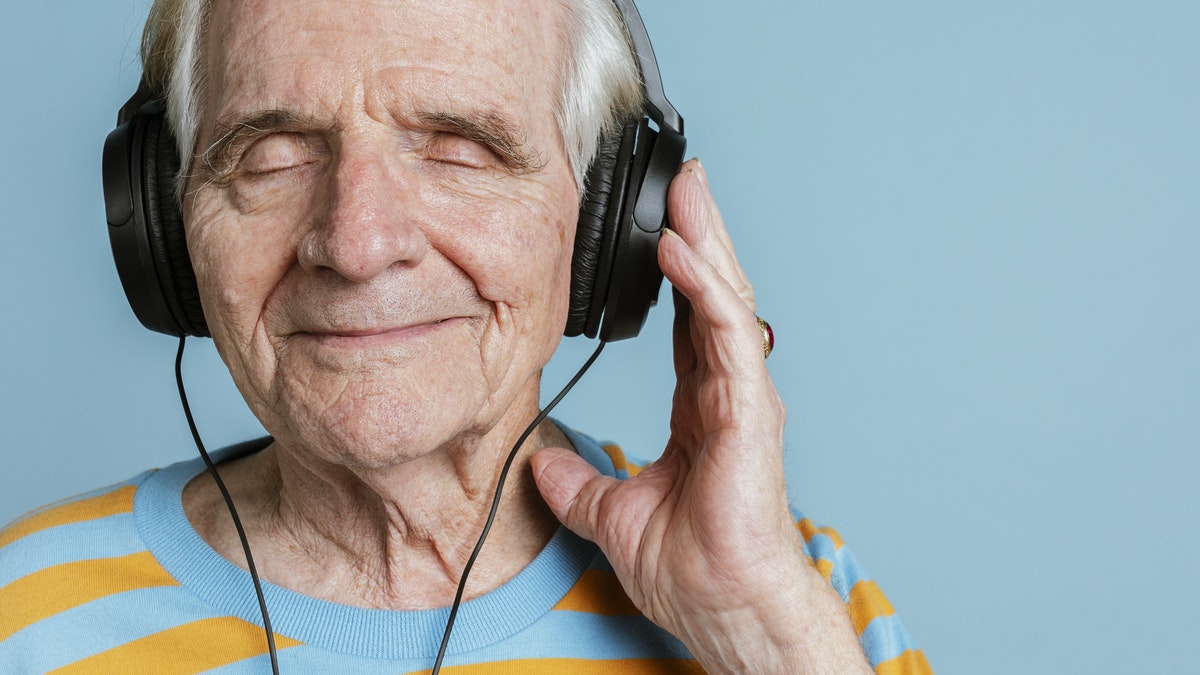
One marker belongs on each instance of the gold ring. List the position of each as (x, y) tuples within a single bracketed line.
[(768, 336)]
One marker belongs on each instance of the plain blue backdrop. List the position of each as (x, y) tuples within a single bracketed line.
[(974, 227)]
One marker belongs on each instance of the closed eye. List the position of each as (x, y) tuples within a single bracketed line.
[(453, 148), (278, 152), (490, 131)]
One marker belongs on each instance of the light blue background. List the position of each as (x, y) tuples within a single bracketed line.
[(974, 227)]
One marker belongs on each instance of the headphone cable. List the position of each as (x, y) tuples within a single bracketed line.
[(487, 527), (237, 522), (462, 583)]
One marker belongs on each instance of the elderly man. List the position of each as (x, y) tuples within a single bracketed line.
[(380, 202)]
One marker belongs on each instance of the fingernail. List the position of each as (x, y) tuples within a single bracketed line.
[(668, 233)]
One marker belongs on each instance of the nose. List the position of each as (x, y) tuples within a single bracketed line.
[(371, 221)]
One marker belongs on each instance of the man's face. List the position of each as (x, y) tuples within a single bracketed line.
[(381, 215)]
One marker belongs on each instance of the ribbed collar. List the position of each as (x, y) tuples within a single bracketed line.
[(228, 590)]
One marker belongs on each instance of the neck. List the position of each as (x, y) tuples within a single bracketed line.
[(392, 537)]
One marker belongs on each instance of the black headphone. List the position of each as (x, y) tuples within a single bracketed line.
[(614, 272)]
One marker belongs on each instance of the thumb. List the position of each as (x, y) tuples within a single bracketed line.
[(571, 488)]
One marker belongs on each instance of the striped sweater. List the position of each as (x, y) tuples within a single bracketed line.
[(117, 581)]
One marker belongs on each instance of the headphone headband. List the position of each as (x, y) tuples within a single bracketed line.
[(658, 107)]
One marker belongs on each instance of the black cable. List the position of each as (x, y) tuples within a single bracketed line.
[(237, 522), (512, 455), (462, 583)]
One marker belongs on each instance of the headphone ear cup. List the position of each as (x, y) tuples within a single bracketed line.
[(596, 232), (164, 228), (145, 226)]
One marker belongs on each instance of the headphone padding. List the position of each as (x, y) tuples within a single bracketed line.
[(165, 229), (596, 231)]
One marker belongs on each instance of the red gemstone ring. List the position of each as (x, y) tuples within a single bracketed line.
[(768, 336)]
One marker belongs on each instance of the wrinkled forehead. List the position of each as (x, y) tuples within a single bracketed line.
[(504, 54)]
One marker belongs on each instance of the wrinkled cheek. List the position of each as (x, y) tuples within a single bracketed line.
[(252, 363), (529, 274), (232, 291), (552, 287)]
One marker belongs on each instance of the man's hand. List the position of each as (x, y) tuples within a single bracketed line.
[(702, 540)]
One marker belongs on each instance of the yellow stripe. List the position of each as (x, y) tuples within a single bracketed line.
[(579, 667), (809, 530), (56, 589), (825, 567), (911, 662), (866, 603), (598, 592), (108, 504), (620, 462), (191, 648)]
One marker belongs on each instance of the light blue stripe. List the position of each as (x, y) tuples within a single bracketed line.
[(820, 546), (98, 626), (847, 572), (885, 638), (846, 569), (108, 537), (851, 568)]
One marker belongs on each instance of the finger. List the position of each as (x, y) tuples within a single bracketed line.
[(696, 218), (702, 174), (735, 403), (729, 336), (572, 488), (721, 230)]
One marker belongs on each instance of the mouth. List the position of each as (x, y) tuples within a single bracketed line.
[(375, 336)]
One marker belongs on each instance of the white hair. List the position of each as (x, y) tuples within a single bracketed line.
[(599, 88)]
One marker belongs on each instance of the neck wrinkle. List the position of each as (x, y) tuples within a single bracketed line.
[(399, 538)]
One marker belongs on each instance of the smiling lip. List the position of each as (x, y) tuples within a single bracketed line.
[(358, 338)]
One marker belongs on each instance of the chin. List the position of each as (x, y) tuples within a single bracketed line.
[(372, 426)]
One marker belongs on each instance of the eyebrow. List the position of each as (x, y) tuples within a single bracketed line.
[(489, 128), (492, 130), (236, 135)]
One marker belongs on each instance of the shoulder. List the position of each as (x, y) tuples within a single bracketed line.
[(92, 525), (70, 574), (883, 636), (63, 555), (90, 507), (606, 456)]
